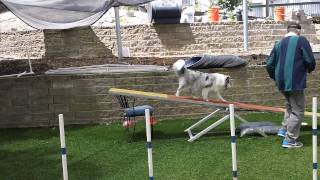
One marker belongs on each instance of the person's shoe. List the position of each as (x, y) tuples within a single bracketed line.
[(292, 144), (281, 133)]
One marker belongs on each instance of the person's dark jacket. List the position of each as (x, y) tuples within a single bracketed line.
[(289, 61)]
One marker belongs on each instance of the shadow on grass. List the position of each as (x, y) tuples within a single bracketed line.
[(15, 134), (306, 139), (29, 163), (86, 169), (20, 134), (161, 135), (220, 133), (44, 162)]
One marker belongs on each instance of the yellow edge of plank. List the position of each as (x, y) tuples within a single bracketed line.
[(307, 113), (310, 113), (141, 93)]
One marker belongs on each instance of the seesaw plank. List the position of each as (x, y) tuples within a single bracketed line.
[(188, 99)]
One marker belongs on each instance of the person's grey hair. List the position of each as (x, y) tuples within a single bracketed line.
[(294, 27), (297, 31)]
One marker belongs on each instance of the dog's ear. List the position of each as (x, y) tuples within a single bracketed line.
[(228, 81)]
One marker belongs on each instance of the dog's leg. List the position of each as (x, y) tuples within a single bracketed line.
[(178, 91), (205, 93), (181, 86), (220, 97)]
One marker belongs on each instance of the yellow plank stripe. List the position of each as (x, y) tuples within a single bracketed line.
[(137, 93), (306, 113)]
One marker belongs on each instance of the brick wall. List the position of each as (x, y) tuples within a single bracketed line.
[(36, 101)]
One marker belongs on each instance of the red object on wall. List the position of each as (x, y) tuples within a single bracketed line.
[(279, 13), (213, 14)]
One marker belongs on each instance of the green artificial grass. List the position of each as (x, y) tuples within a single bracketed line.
[(107, 152)]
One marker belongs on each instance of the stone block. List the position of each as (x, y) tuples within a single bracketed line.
[(20, 120), (107, 105), (63, 84), (94, 82), (102, 90), (59, 108), (84, 99), (83, 107), (86, 116), (16, 109), (101, 98), (83, 91), (116, 114), (39, 108), (38, 92), (62, 99), (18, 92), (127, 81), (5, 84), (20, 101), (41, 100), (41, 84)]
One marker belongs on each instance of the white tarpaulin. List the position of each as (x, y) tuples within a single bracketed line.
[(63, 14)]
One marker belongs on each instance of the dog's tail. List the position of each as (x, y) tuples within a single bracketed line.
[(179, 67)]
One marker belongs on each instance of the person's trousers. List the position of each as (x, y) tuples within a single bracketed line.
[(295, 102)]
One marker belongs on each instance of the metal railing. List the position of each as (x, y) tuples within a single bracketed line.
[(310, 8)]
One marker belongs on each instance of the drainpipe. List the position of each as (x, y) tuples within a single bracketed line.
[(119, 42), (245, 25)]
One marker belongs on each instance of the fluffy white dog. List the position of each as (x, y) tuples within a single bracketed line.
[(200, 82)]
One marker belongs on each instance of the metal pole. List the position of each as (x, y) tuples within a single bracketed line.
[(245, 25), (314, 138), (63, 148), (267, 8), (233, 143), (149, 144), (119, 42)]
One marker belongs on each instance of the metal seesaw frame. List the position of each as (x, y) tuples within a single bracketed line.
[(193, 137)]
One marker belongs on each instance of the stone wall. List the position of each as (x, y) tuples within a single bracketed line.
[(162, 40), (36, 101)]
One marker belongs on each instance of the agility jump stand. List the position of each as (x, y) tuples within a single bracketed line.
[(233, 143), (314, 138), (149, 144), (63, 148), (193, 137)]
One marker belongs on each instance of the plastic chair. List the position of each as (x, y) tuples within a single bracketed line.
[(130, 113)]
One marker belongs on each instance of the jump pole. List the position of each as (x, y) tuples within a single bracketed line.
[(314, 138), (63, 148), (149, 144), (233, 143)]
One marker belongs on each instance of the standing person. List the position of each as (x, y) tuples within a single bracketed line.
[(288, 64)]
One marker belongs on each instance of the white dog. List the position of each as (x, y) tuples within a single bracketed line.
[(200, 82)]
